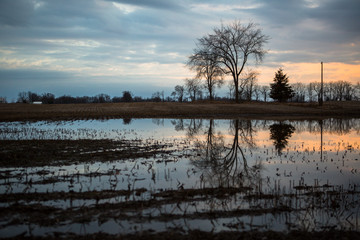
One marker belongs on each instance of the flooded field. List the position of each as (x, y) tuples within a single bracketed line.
[(134, 176)]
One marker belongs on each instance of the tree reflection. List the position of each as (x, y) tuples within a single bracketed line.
[(339, 126), (280, 133), (127, 121), (226, 165), (191, 126)]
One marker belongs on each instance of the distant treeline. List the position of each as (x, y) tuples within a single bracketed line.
[(195, 91), (250, 90), (49, 98)]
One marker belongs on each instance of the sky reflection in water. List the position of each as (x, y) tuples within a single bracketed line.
[(270, 157)]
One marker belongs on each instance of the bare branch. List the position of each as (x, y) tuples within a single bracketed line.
[(228, 49)]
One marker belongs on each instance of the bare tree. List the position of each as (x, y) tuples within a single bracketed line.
[(179, 93), (310, 92), (248, 84), (23, 97), (357, 91), (299, 91), (227, 165), (349, 91), (232, 46), (3, 100), (339, 88), (315, 87), (48, 98), (231, 88), (193, 87), (101, 98), (206, 67), (265, 91), (257, 91), (33, 97), (328, 91), (334, 91), (156, 96)]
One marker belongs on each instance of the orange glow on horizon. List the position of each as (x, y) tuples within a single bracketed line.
[(308, 140), (311, 72)]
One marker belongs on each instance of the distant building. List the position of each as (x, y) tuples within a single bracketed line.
[(37, 102), (2, 100)]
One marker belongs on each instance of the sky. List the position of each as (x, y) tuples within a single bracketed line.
[(87, 47)]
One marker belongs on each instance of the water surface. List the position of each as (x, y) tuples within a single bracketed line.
[(211, 175)]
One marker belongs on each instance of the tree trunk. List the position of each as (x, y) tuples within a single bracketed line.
[(236, 82)]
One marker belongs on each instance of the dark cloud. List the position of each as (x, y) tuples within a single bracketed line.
[(343, 16), (29, 75), (49, 41), (335, 15), (16, 13), (310, 30)]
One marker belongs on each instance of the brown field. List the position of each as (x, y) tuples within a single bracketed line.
[(22, 112)]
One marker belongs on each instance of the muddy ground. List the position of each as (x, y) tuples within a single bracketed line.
[(200, 235), (37, 153), (35, 209)]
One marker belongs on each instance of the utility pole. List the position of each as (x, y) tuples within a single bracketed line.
[(322, 87), (321, 141)]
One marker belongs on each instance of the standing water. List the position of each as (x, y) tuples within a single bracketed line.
[(125, 176)]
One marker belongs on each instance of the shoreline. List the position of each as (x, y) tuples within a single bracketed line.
[(215, 110)]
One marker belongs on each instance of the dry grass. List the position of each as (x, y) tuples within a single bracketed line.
[(21, 112)]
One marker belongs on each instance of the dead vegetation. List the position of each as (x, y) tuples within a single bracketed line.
[(217, 110), (25, 153)]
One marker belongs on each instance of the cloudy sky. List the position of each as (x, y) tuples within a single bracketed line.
[(87, 47)]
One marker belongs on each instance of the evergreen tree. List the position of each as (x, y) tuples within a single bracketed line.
[(280, 89), (280, 133)]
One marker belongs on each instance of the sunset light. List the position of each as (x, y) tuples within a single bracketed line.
[(142, 46)]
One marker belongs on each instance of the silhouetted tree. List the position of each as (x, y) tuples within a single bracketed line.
[(48, 98), (265, 92), (249, 81), (280, 133), (23, 97), (257, 91), (206, 67), (101, 98), (127, 96), (156, 96), (138, 99), (299, 92), (179, 93), (3, 100), (193, 87), (357, 91), (232, 46), (191, 126), (315, 87), (116, 99), (226, 165), (65, 99), (33, 97), (349, 90), (230, 86), (127, 121), (179, 124), (280, 89)]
